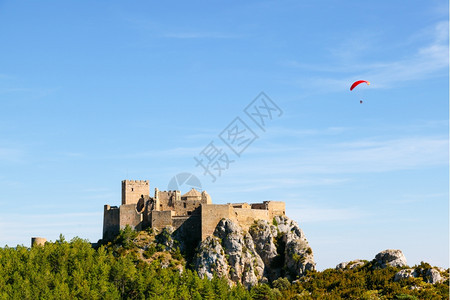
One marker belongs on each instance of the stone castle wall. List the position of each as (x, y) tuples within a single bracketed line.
[(241, 213), (211, 214), (166, 199), (161, 219), (128, 215), (185, 208), (245, 217), (193, 213), (276, 208), (111, 221)]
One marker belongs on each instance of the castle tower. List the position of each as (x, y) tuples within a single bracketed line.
[(206, 198), (133, 190), (38, 241), (157, 201)]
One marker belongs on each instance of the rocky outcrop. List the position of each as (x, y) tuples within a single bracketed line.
[(298, 255), (246, 266), (283, 248), (230, 253), (264, 237), (396, 259), (433, 276), (393, 258), (266, 252), (350, 264), (406, 273), (430, 275), (211, 259)]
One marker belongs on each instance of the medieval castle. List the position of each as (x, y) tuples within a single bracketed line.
[(192, 213)]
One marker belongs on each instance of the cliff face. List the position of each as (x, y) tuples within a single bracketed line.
[(264, 253)]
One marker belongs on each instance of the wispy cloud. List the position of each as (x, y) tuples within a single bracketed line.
[(357, 156), (14, 231), (31, 93), (292, 132), (73, 154), (388, 155), (308, 214), (160, 30), (100, 196), (173, 152), (11, 155), (427, 61), (257, 183), (430, 60), (200, 35)]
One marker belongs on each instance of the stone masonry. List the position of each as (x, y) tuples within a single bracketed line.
[(192, 213)]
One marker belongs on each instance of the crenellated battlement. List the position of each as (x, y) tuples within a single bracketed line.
[(134, 190), (137, 181)]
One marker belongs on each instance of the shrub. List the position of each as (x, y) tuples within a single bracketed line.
[(151, 249), (274, 222)]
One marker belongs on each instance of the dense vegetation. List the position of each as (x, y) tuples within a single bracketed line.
[(75, 270)]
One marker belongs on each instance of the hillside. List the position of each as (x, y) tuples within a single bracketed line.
[(150, 265)]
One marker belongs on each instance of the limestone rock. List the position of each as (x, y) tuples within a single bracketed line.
[(406, 273), (350, 264), (246, 266), (341, 266), (211, 259), (264, 235), (433, 276), (390, 257), (298, 255), (265, 252)]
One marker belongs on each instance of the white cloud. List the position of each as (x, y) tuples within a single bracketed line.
[(173, 152), (358, 156), (282, 132), (388, 155), (260, 182), (428, 61)]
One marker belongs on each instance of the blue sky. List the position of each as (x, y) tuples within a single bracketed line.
[(94, 93)]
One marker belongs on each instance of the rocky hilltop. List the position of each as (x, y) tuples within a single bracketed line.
[(396, 259), (264, 253), (274, 260)]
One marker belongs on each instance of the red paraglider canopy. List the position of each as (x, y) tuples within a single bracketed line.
[(356, 83)]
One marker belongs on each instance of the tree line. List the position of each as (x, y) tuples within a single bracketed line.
[(75, 270)]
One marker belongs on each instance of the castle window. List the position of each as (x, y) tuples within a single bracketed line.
[(184, 204), (132, 189)]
